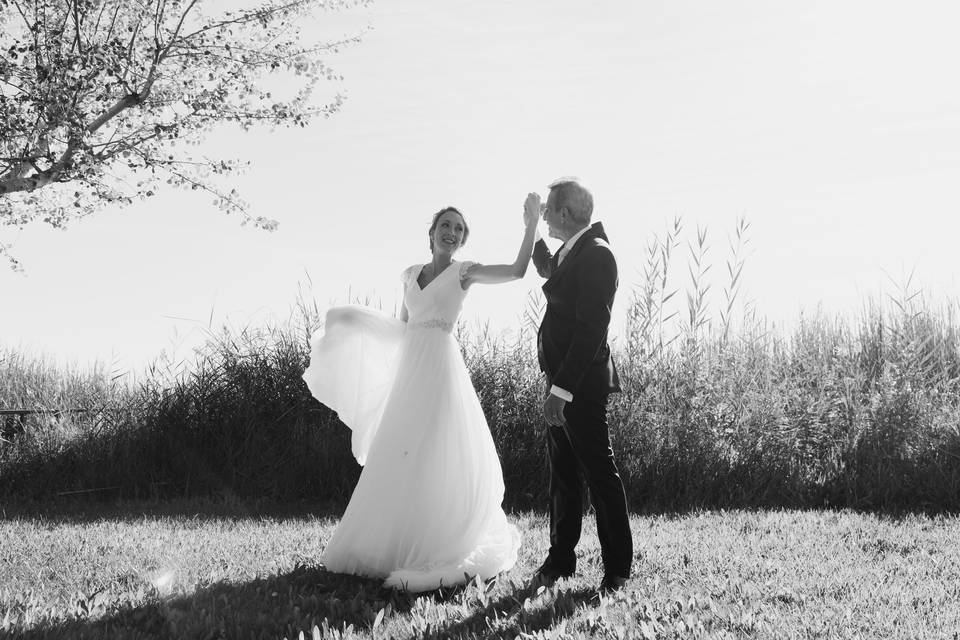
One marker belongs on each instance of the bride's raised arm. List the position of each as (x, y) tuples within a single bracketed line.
[(497, 273)]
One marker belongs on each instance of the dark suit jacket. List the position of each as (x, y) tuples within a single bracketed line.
[(572, 341)]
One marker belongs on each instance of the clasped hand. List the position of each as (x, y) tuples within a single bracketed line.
[(531, 210)]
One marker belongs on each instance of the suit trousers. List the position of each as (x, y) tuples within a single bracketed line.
[(584, 441)]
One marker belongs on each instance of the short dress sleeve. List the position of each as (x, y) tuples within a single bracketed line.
[(464, 267), (410, 274)]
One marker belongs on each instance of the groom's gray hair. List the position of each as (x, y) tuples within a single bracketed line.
[(575, 197)]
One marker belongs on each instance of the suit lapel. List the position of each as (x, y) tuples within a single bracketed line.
[(574, 251)]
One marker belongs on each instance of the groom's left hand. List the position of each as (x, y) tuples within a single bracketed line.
[(553, 409)]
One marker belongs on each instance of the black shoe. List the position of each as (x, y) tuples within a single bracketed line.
[(548, 574), (611, 583)]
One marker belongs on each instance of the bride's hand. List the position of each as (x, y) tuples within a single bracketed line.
[(531, 210)]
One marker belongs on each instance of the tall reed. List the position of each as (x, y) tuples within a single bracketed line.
[(718, 409)]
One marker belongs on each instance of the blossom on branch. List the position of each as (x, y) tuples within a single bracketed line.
[(102, 101)]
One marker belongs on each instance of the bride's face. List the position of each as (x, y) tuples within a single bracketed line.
[(448, 235)]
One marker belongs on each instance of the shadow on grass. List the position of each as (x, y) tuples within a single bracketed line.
[(65, 511), (284, 605), (522, 611)]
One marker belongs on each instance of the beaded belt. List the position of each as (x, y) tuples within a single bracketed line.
[(434, 323)]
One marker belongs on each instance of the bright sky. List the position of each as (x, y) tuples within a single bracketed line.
[(832, 126)]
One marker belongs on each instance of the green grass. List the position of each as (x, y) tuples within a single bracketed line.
[(202, 570)]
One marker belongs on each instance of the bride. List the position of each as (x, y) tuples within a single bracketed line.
[(427, 510)]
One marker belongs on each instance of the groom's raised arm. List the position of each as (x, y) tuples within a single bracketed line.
[(542, 258)]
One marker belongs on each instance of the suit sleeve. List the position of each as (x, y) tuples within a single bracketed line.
[(597, 287), (542, 258)]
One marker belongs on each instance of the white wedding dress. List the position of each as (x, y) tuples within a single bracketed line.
[(427, 509)]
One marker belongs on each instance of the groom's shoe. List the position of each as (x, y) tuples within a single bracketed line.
[(548, 574), (611, 583)]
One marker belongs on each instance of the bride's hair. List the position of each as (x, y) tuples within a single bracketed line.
[(436, 219)]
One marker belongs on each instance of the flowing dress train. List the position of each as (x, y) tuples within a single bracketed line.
[(427, 510)]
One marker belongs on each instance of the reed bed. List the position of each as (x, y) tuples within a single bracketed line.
[(719, 408)]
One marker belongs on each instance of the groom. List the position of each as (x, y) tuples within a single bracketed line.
[(575, 356)]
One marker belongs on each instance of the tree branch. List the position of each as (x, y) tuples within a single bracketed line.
[(130, 47), (89, 107), (248, 17), (96, 27), (113, 22), (18, 87), (77, 44), (176, 32), (41, 178), (127, 101)]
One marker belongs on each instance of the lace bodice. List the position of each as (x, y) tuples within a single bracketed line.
[(438, 305)]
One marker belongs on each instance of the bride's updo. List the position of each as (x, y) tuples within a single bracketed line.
[(436, 220)]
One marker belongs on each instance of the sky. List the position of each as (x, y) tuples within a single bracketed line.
[(833, 128)]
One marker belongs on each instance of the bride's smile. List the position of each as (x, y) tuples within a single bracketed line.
[(449, 232)]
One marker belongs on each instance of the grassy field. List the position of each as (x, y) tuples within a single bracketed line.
[(787, 450), (202, 570)]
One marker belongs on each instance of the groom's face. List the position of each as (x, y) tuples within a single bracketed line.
[(552, 217)]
